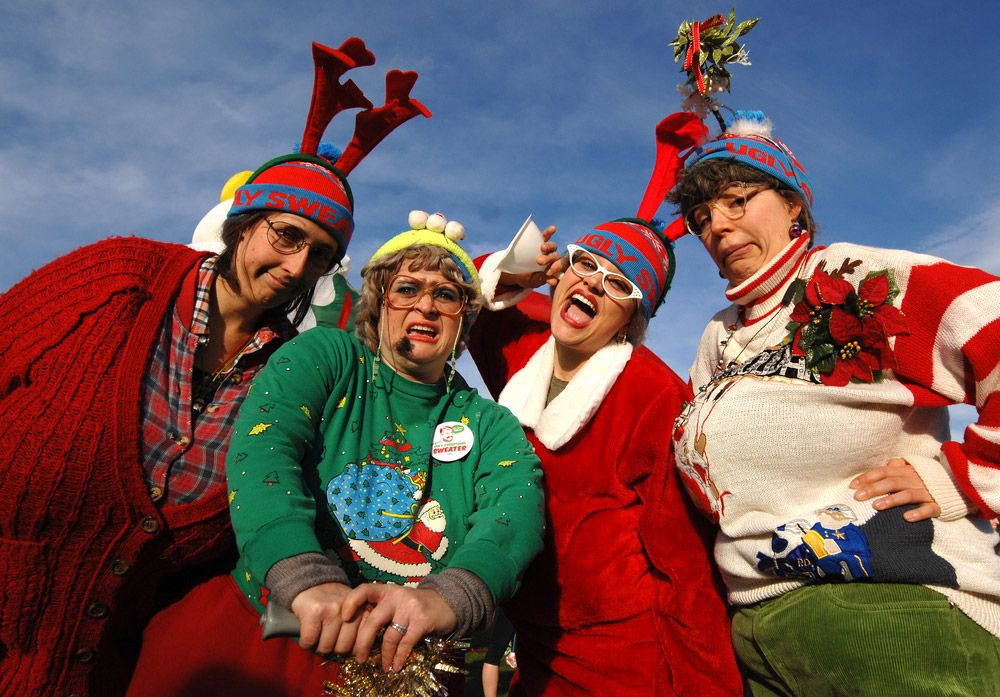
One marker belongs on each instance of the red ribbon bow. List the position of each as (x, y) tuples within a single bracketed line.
[(691, 60)]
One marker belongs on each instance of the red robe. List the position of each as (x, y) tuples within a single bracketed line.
[(624, 599)]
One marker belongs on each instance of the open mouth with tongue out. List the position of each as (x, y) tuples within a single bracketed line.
[(579, 310)]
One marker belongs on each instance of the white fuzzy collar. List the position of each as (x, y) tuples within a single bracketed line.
[(557, 423)]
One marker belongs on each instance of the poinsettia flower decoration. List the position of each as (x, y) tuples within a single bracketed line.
[(843, 333)]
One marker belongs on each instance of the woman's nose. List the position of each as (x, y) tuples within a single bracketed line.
[(297, 262), (717, 222), (425, 303), (595, 282)]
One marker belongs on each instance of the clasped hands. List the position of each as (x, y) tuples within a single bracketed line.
[(335, 618)]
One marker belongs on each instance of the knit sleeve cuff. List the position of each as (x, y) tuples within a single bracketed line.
[(466, 594), (494, 297), (289, 577), (941, 484)]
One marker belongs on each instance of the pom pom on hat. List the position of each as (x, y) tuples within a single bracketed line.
[(750, 123), (435, 222), (432, 230), (417, 220), (329, 151)]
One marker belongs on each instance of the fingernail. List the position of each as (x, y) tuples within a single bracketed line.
[(879, 505), (854, 484), (860, 494)]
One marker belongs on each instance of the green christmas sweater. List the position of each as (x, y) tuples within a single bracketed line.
[(402, 479)]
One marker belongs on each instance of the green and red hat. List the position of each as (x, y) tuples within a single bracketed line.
[(312, 186)]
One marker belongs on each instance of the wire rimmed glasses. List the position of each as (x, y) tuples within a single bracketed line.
[(286, 238), (731, 203)]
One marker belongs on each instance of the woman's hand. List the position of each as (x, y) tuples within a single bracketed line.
[(408, 614), (321, 628), (548, 258), (899, 484)]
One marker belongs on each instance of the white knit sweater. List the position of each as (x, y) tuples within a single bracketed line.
[(768, 450)]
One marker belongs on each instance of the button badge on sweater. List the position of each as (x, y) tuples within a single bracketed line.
[(452, 441)]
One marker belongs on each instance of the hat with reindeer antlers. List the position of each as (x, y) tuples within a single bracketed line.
[(637, 246), (308, 184)]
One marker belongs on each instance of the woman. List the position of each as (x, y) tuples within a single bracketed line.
[(123, 365), (129, 383), (622, 601), (818, 441), (355, 461)]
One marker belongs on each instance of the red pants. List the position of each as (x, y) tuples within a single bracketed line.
[(208, 643)]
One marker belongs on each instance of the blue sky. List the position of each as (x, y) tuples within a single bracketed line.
[(127, 118)]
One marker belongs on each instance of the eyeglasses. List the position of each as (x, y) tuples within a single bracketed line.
[(732, 203), (615, 285), (288, 239), (405, 292)]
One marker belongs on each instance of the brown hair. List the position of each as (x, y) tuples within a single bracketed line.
[(232, 230), (705, 180), (421, 257)]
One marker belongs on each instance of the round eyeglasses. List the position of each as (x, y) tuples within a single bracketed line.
[(615, 285), (405, 292), (288, 239), (732, 203)]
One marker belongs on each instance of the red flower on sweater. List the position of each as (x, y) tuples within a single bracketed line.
[(843, 333)]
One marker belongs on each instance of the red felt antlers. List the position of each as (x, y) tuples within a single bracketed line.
[(331, 96)]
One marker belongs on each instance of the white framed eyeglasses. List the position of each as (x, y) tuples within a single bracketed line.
[(619, 287)]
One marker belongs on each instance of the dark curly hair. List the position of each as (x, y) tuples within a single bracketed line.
[(706, 180)]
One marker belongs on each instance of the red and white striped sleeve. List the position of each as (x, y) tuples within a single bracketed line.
[(952, 355)]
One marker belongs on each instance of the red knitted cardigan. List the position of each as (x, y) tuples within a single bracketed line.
[(85, 555)]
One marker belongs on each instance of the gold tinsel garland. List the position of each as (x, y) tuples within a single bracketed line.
[(417, 678)]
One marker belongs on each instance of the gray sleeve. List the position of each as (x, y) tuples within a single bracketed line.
[(289, 577), (466, 594)]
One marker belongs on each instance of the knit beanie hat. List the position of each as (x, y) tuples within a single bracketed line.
[(314, 187), (640, 252), (748, 140), (433, 230), (306, 185), (637, 246)]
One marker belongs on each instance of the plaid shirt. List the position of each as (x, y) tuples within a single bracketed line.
[(184, 450)]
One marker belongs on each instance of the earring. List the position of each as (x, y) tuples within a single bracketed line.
[(454, 352), (795, 231), (622, 339)]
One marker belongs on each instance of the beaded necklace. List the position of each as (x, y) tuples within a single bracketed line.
[(786, 300)]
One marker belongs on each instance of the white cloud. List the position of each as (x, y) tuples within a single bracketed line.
[(974, 241)]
